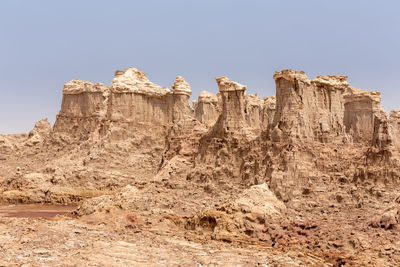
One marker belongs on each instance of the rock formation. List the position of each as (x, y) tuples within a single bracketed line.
[(394, 121), (309, 110), (302, 171), (135, 99), (361, 108), (268, 112), (39, 133), (232, 117), (207, 108), (181, 111), (245, 215), (130, 100), (386, 134), (84, 106), (253, 110), (258, 113)]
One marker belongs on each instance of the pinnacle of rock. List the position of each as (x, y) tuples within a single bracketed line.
[(225, 85), (180, 86)]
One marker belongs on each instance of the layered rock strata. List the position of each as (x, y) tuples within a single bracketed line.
[(258, 113), (253, 111), (84, 105), (361, 109), (386, 133), (131, 99), (207, 108), (135, 99), (309, 110), (181, 110), (268, 112), (232, 117), (394, 120)]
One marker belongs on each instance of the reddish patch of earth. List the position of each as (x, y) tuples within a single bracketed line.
[(34, 210)]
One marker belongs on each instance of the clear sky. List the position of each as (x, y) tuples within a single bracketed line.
[(46, 43)]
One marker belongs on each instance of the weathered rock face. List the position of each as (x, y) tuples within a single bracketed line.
[(253, 111), (386, 133), (232, 117), (309, 110), (361, 109), (131, 99), (268, 112), (84, 105), (394, 120), (135, 99), (181, 111), (207, 108), (39, 133), (231, 148)]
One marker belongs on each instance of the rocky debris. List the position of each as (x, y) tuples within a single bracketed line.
[(39, 133), (387, 220), (102, 241), (247, 215), (126, 199), (10, 143), (40, 188)]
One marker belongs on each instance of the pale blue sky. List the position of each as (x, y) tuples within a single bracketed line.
[(44, 44)]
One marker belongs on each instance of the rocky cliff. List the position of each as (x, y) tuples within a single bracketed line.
[(132, 99), (258, 113), (157, 123), (135, 99), (361, 109), (84, 106)]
